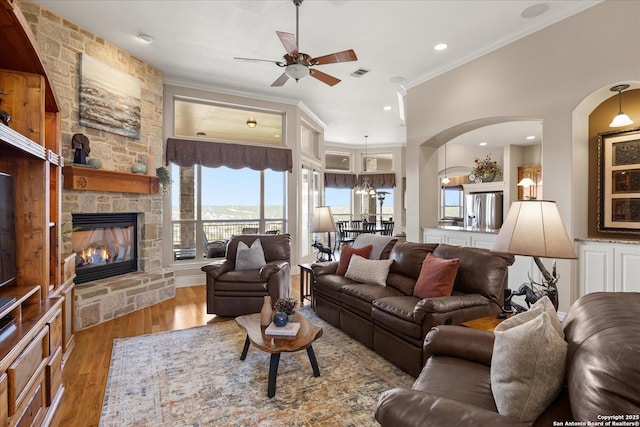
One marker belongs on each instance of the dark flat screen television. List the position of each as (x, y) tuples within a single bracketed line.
[(8, 268)]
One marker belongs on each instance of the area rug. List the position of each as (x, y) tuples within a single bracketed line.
[(194, 377)]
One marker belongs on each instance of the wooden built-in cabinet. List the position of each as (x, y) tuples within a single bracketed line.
[(31, 350)]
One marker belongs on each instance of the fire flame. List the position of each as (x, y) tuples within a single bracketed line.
[(94, 255)]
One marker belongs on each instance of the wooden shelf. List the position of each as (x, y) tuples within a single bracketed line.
[(86, 178)]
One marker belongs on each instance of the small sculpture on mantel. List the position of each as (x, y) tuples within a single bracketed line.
[(80, 143), (5, 117)]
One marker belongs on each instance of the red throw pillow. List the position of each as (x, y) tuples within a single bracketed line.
[(345, 256), (436, 277)]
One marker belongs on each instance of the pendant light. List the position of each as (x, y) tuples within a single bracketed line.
[(365, 187), (445, 180), (621, 119)]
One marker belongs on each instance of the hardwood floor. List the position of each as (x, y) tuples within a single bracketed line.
[(86, 370)]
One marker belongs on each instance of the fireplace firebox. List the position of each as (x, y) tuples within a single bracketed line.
[(105, 244)]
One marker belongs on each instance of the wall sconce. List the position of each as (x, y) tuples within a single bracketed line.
[(621, 119), (251, 122)]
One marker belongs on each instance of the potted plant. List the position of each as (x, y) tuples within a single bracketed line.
[(165, 178), (487, 169), (287, 306)]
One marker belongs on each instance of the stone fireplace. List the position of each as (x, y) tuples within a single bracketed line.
[(146, 282), (105, 245)]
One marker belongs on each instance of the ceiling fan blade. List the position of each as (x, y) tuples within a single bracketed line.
[(280, 80), (344, 56), (324, 77), (289, 42), (238, 58)]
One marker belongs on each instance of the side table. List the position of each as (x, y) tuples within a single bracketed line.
[(306, 282), (487, 323)]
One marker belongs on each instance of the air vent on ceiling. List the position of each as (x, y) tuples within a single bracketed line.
[(360, 72)]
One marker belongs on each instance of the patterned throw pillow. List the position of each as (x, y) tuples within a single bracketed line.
[(250, 257), (345, 256), (373, 272)]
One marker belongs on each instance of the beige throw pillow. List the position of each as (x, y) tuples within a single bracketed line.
[(544, 304), (250, 257), (527, 367), (369, 271)]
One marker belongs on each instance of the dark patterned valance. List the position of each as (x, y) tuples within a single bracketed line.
[(340, 180), (379, 180), (186, 152)]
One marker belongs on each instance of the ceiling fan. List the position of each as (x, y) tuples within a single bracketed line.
[(297, 64)]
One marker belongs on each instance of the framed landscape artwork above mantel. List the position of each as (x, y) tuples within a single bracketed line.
[(619, 181)]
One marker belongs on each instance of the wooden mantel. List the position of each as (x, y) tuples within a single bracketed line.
[(87, 178)]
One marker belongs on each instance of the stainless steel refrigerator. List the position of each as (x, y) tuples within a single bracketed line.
[(483, 210)]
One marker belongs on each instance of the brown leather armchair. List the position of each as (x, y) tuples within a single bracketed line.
[(602, 380), (232, 292)]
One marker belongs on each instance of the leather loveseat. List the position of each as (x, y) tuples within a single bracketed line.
[(233, 292), (602, 380), (390, 319)]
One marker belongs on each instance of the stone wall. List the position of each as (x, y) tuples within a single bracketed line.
[(61, 43)]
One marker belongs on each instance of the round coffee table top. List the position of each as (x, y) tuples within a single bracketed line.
[(307, 334)]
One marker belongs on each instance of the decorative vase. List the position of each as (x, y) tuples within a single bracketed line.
[(280, 319), (139, 168), (267, 312), (488, 177), (151, 164), (94, 163)]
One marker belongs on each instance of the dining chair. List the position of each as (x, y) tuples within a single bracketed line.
[(387, 228), (343, 236)]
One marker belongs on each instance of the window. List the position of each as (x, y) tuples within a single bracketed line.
[(210, 204), (340, 162), (309, 142), (452, 202), (222, 123), (309, 199), (377, 162), (340, 201)]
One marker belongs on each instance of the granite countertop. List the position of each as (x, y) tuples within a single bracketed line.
[(607, 240), (460, 228)]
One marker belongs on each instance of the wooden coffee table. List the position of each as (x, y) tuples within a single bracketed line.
[(307, 334)]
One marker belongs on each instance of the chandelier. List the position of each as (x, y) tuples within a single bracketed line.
[(365, 187)]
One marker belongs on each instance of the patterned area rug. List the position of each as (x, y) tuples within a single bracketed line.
[(194, 377)]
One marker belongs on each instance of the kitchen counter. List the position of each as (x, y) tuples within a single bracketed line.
[(459, 228)]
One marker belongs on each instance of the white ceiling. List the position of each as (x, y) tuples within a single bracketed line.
[(195, 43)]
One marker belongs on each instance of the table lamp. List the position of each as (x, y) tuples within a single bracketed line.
[(534, 228), (323, 222)]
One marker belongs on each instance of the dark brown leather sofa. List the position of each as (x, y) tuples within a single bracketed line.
[(602, 331), (234, 293), (389, 319)]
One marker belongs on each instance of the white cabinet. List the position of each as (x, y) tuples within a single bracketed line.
[(608, 266), (519, 271)]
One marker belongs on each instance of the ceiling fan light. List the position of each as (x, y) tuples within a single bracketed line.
[(297, 71), (620, 120)]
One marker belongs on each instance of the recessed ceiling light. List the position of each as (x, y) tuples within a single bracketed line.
[(530, 137), (146, 38), (440, 46), (535, 10), (387, 108), (482, 144)]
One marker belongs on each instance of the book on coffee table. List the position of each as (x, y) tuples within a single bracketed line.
[(288, 330)]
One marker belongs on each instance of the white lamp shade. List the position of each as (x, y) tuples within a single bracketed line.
[(323, 220), (620, 120), (534, 228), (526, 182)]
